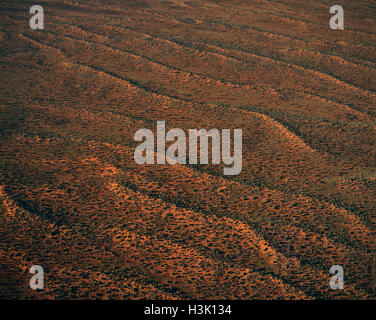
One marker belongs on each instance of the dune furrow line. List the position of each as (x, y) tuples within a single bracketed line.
[(101, 244), (128, 137), (223, 52), (138, 253), (76, 93), (294, 138), (318, 73), (276, 123), (273, 35), (111, 218), (215, 231), (279, 242), (303, 18), (137, 181), (173, 42), (23, 223), (310, 195), (194, 75), (326, 74)]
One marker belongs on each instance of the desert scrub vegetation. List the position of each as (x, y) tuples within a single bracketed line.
[(73, 96)]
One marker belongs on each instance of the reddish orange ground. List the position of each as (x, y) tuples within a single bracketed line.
[(73, 200)]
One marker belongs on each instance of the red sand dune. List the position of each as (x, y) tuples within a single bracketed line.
[(73, 200)]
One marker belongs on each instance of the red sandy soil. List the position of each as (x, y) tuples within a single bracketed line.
[(73, 200)]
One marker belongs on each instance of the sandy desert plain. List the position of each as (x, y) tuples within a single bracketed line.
[(73, 200)]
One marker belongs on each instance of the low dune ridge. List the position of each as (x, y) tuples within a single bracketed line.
[(73, 200)]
